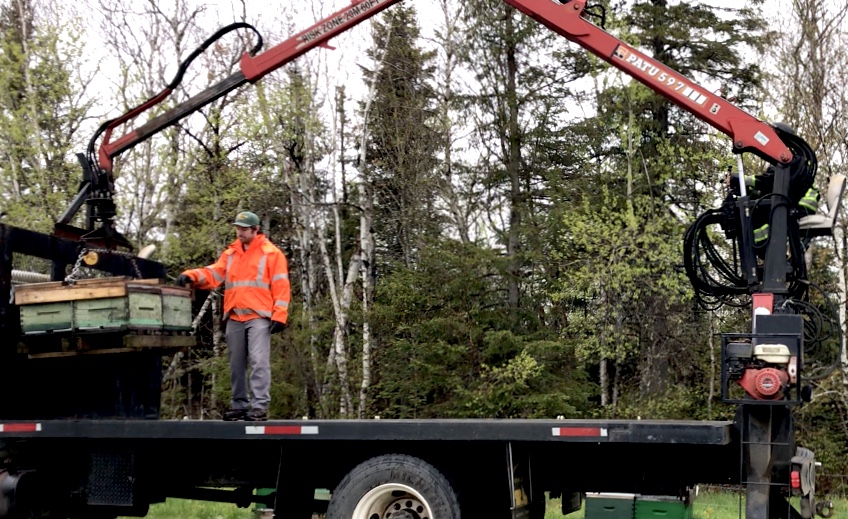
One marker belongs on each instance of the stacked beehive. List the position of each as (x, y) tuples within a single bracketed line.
[(103, 314)]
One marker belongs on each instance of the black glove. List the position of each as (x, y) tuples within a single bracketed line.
[(276, 327), (183, 280)]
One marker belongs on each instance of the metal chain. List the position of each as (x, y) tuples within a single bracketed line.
[(75, 272), (72, 277)]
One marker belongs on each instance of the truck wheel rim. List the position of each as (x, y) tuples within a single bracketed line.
[(392, 501)]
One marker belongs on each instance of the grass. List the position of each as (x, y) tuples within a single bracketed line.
[(708, 505), (189, 509)]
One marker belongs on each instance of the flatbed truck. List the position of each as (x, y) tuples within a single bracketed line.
[(485, 468), (80, 434)]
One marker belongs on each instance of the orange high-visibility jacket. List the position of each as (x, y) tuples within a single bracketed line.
[(256, 281)]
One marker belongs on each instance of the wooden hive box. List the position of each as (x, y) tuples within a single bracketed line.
[(103, 305), (46, 317), (176, 308)]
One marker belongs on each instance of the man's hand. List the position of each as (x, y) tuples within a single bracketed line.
[(183, 280), (276, 327)]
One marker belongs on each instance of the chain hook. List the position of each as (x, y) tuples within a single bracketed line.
[(71, 278)]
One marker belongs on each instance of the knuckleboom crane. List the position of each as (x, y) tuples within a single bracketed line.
[(97, 188), (767, 363)]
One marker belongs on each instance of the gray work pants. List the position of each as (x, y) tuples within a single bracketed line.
[(250, 341)]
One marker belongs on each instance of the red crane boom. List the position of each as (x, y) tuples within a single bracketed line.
[(748, 133)]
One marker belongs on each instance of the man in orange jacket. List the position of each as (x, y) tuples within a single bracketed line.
[(256, 300)]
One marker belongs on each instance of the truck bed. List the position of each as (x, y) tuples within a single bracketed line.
[(516, 430), (156, 459)]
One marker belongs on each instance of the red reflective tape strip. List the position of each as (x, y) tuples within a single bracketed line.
[(580, 431), (281, 429), (20, 427), (763, 302)]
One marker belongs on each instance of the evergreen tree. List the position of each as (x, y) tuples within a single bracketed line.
[(401, 163)]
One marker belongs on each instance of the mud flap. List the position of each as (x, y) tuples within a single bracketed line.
[(804, 469)]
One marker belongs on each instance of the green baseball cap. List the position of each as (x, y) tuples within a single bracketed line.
[(246, 219)]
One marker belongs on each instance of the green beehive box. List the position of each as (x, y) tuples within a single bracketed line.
[(107, 314), (176, 309), (102, 304), (49, 317), (145, 305), (662, 507), (609, 506)]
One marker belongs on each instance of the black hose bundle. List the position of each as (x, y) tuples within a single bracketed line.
[(716, 275), (716, 281)]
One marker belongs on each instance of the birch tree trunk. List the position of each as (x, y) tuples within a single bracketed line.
[(341, 306), (366, 237), (367, 241)]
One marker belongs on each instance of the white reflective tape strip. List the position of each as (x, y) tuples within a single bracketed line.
[(217, 277), (309, 429), (260, 272), (254, 429), (257, 284), (248, 311)]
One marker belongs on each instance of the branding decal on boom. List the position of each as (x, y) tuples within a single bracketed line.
[(336, 21), (669, 80)]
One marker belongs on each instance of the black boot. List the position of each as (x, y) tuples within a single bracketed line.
[(256, 415), (234, 415)]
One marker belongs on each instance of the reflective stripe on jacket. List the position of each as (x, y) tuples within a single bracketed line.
[(256, 281), (761, 233), (810, 202)]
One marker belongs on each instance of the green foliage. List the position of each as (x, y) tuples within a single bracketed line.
[(822, 429), (40, 113), (700, 42), (446, 348), (623, 278)]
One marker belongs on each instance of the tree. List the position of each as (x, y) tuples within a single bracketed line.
[(517, 105), (43, 103), (401, 138), (148, 43), (652, 172)]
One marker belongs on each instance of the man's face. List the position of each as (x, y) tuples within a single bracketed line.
[(246, 234)]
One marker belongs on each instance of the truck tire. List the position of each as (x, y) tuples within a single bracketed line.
[(393, 485)]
